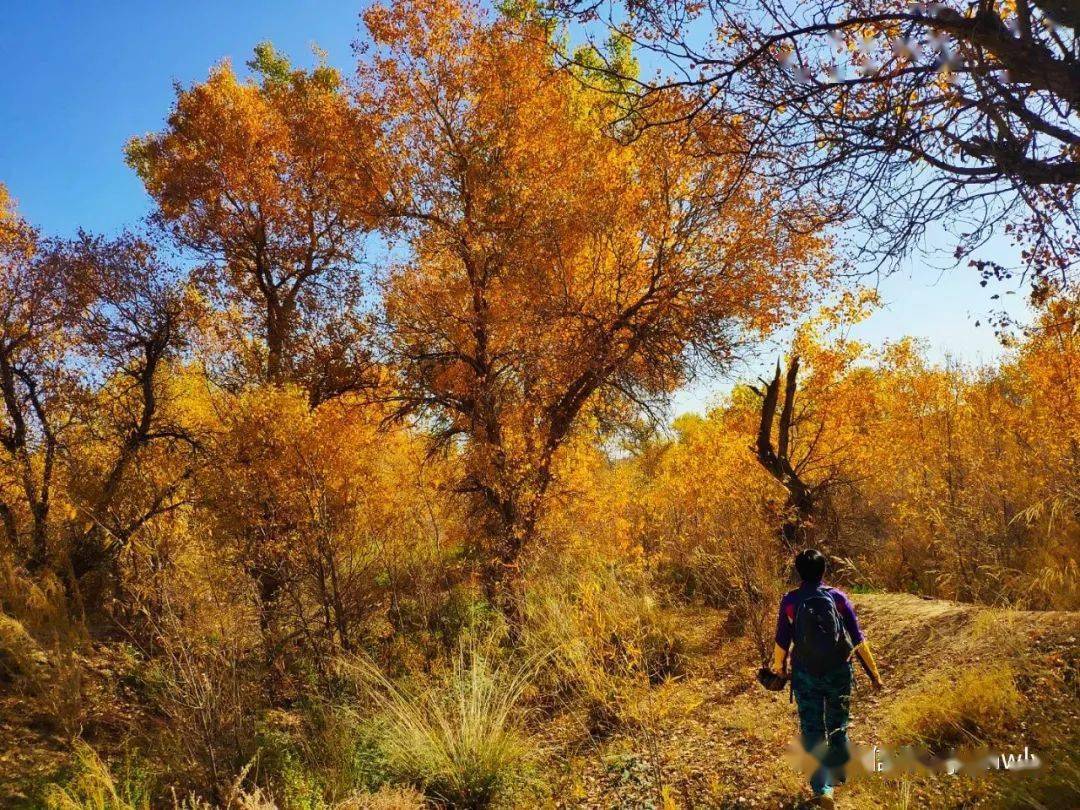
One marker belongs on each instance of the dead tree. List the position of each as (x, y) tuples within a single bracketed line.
[(802, 497)]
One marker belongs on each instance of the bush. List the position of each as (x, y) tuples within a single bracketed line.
[(661, 647), (281, 762), (318, 754), (458, 738), (947, 710)]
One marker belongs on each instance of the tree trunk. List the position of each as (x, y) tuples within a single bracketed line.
[(269, 584), (507, 535), (796, 530)]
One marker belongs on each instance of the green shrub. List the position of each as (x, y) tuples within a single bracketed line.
[(281, 762)]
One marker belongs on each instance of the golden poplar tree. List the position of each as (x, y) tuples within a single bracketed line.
[(272, 183), (554, 272)]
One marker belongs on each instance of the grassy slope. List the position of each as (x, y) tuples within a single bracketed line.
[(715, 739)]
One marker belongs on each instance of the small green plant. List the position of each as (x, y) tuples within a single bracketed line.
[(343, 748), (281, 763), (460, 738)]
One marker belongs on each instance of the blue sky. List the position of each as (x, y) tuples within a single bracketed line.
[(80, 78)]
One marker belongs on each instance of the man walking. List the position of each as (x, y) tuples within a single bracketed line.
[(817, 625)]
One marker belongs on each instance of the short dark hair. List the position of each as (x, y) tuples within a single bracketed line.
[(810, 563)]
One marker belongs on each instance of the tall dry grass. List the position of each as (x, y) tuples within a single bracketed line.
[(957, 708), (93, 787), (461, 737), (602, 641)]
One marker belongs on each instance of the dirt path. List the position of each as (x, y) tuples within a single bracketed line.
[(714, 739)]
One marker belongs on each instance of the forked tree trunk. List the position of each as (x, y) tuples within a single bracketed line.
[(796, 530)]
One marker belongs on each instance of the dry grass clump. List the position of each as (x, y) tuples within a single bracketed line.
[(93, 787), (1055, 785), (956, 708), (608, 626), (460, 737), (388, 797)]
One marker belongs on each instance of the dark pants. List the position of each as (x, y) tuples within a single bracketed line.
[(824, 703)]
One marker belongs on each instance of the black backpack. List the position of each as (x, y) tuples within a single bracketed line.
[(822, 642)]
